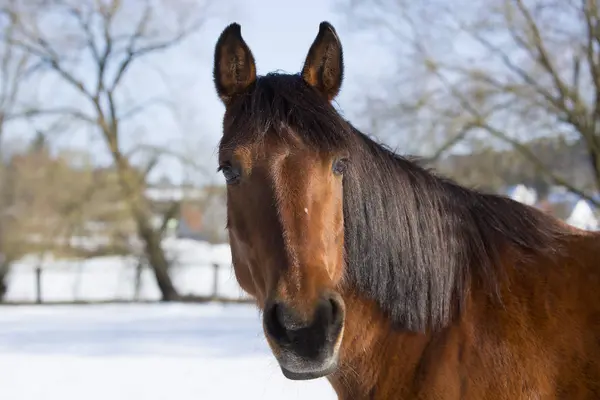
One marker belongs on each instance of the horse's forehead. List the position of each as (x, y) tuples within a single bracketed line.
[(266, 149)]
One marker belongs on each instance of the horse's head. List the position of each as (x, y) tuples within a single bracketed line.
[(283, 154)]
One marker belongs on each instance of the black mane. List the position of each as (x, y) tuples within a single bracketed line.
[(414, 241), (275, 102)]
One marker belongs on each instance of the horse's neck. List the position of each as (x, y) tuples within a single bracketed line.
[(379, 362)]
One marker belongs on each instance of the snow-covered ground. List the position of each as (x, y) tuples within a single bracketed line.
[(113, 278), (137, 351), (141, 351)]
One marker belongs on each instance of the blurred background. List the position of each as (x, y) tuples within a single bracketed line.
[(115, 275)]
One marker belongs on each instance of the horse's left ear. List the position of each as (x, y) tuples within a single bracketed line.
[(324, 65)]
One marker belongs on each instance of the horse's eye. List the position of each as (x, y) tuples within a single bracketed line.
[(231, 174), (339, 166)]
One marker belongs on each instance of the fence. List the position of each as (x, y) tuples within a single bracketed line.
[(104, 280)]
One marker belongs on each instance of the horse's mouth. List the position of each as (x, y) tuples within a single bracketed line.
[(310, 373), (300, 368)]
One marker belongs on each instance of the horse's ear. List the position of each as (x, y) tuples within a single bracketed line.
[(234, 68), (324, 65)]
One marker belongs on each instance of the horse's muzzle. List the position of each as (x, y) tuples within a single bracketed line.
[(306, 349)]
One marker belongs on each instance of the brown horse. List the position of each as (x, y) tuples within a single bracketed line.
[(389, 280)]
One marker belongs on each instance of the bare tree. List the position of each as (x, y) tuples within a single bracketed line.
[(92, 46), (509, 71), (15, 65)]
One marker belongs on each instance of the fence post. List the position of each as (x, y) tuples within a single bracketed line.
[(38, 284), (215, 291), (138, 280)]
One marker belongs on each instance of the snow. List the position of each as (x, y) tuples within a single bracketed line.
[(142, 351), (523, 194), (583, 217), (113, 278), (137, 351)]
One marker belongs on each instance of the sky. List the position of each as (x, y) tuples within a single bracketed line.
[(279, 35)]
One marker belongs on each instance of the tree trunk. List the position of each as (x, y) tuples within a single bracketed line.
[(3, 286), (157, 259), (133, 190)]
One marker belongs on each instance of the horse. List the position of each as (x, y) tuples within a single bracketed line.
[(380, 274)]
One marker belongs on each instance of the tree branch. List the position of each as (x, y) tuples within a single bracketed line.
[(49, 58), (72, 112), (133, 52), (448, 144), (543, 55), (171, 213), (521, 148)]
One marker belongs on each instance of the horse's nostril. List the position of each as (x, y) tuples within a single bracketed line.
[(336, 312), (327, 311), (272, 322), (281, 321), (335, 309)]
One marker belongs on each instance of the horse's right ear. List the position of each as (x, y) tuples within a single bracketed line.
[(234, 68)]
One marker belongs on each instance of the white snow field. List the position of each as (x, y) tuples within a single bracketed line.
[(137, 351), (113, 278), (141, 352)]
